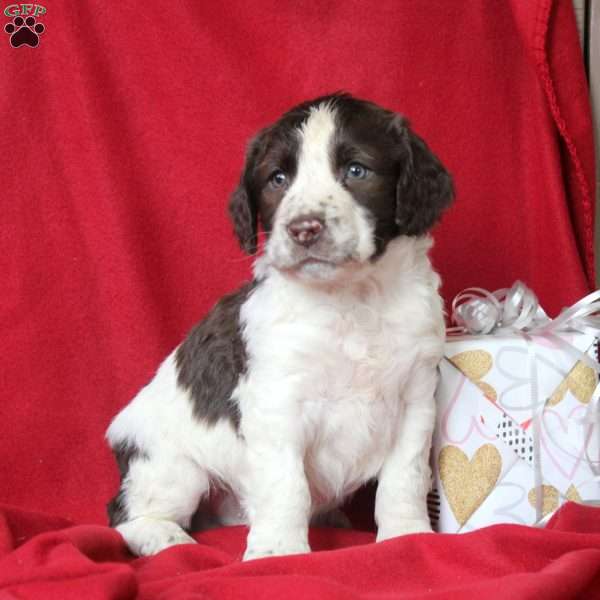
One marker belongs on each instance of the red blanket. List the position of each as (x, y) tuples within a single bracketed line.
[(123, 132), (53, 560)]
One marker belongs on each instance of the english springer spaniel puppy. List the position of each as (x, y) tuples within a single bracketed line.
[(317, 376)]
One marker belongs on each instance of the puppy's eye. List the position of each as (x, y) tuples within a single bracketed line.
[(278, 179), (356, 171)]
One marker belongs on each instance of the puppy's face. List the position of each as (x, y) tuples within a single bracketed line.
[(332, 182)]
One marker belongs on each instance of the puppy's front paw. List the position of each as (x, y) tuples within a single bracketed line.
[(145, 536), (403, 527), (281, 548)]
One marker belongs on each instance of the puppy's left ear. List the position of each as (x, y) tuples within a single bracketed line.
[(424, 188)]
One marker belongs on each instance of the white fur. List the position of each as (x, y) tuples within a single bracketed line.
[(338, 390)]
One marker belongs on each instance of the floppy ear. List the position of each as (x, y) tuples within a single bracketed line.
[(243, 213), (424, 188), (243, 208)]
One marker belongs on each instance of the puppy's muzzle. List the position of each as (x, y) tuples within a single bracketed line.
[(306, 230)]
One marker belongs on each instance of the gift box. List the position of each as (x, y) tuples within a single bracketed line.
[(517, 420)]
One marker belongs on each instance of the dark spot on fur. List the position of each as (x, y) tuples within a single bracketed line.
[(125, 453), (242, 211), (212, 359), (117, 513)]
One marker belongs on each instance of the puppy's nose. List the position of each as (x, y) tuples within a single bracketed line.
[(305, 230)]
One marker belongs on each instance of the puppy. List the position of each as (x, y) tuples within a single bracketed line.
[(317, 376)]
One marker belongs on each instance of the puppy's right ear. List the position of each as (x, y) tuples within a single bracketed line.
[(243, 213), (243, 204)]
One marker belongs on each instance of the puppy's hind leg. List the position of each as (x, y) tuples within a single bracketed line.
[(158, 496)]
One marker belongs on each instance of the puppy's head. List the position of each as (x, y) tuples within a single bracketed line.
[(332, 182)]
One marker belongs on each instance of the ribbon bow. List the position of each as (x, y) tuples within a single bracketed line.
[(477, 311)]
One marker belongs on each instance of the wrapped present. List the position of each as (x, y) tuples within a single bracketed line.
[(518, 411)]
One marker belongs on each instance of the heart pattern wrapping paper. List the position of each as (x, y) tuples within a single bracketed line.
[(485, 443)]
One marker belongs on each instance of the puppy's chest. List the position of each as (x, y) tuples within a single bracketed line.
[(351, 408), (340, 364), (336, 367), (357, 358), (335, 346)]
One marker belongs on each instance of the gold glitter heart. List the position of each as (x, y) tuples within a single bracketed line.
[(581, 382), (475, 364), (550, 498), (573, 494), (468, 483)]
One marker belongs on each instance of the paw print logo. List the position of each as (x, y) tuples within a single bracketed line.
[(24, 32)]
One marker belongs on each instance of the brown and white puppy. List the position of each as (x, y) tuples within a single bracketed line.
[(317, 376)]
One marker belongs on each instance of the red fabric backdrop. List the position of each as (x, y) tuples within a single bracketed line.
[(61, 562), (123, 133)]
